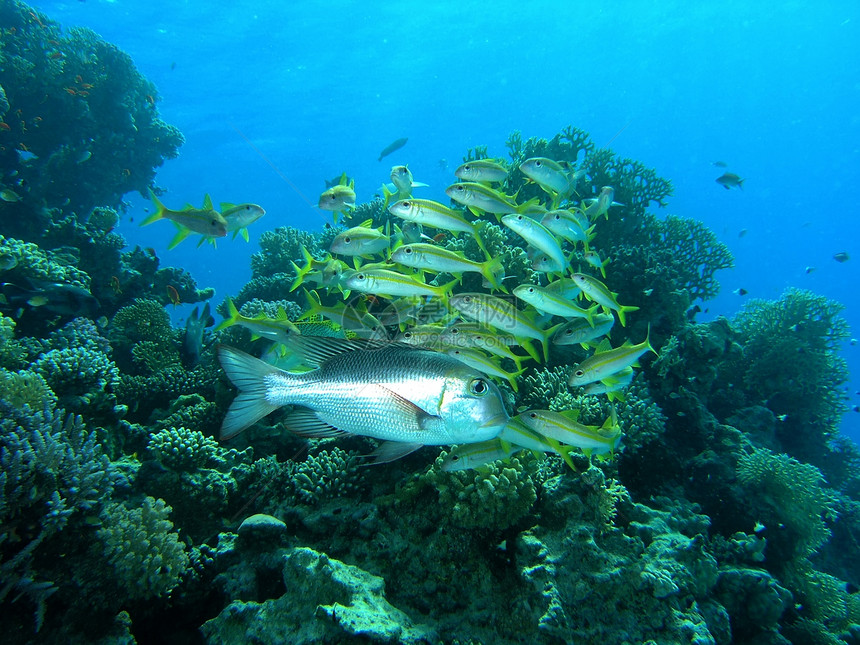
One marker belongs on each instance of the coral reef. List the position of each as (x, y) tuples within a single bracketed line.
[(724, 517)]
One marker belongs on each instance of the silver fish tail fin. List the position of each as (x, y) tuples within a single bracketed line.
[(249, 375)]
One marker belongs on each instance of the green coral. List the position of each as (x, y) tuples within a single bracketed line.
[(327, 475), (143, 338), (789, 495), (271, 309), (77, 372), (53, 471), (147, 557), (26, 388), (99, 135), (278, 248), (662, 266), (182, 449), (636, 185), (495, 497), (193, 412), (32, 263), (790, 362)]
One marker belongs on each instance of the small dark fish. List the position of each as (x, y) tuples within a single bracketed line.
[(841, 257), (741, 291), (809, 269), (729, 180), (742, 232), (692, 311), (192, 343), (720, 164), (391, 147), (856, 408), (56, 297)]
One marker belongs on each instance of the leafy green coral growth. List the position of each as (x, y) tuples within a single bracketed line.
[(790, 362), (790, 495), (674, 261), (147, 557)]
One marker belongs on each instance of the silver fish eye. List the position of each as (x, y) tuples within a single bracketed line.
[(407, 334), (455, 458), (579, 373), (478, 387), (531, 289)]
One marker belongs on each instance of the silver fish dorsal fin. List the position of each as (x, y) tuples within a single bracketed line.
[(316, 350)]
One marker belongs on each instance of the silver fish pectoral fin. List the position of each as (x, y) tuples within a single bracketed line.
[(306, 423), (389, 451), (423, 419)]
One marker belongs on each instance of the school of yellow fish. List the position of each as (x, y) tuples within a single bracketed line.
[(385, 287)]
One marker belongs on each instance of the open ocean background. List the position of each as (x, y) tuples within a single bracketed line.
[(276, 97)]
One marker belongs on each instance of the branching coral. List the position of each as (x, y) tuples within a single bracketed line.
[(495, 497), (145, 321), (52, 469), (25, 388), (30, 262), (147, 557), (182, 449), (790, 363), (278, 248), (792, 499)]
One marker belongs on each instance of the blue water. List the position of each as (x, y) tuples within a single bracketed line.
[(275, 97)]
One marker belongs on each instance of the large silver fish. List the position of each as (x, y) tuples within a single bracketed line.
[(407, 396)]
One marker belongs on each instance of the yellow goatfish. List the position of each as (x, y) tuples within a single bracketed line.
[(339, 198), (205, 221), (595, 290), (501, 314), (483, 363), (478, 197), (565, 428), (606, 362), (430, 213), (482, 170), (545, 301), (440, 260), (557, 178), (382, 282), (278, 329), (538, 236)]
